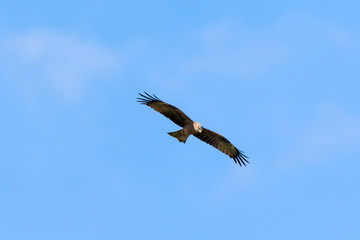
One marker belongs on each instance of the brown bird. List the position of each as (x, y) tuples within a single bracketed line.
[(190, 127)]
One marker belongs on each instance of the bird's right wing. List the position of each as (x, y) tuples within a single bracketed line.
[(169, 111), (220, 142)]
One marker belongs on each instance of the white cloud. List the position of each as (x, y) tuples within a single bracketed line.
[(226, 50), (340, 37), (229, 50), (42, 60), (233, 181), (331, 133)]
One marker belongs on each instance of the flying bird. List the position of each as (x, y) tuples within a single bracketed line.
[(189, 127)]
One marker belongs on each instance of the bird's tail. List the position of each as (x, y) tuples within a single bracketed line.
[(181, 135)]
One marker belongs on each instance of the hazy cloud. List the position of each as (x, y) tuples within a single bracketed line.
[(41, 60), (229, 49), (331, 133), (232, 50)]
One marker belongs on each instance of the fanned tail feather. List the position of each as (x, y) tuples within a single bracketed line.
[(179, 135)]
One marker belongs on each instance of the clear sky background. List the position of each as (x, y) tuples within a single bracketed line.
[(81, 159)]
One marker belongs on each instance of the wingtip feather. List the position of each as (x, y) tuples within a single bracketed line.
[(241, 158), (147, 98)]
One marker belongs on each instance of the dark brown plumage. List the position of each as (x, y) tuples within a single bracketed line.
[(190, 127), (220, 142), (169, 111)]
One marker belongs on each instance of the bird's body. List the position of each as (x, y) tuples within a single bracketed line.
[(190, 127)]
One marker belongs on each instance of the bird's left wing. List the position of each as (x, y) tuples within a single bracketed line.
[(169, 111), (218, 141)]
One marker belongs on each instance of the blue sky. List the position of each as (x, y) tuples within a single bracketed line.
[(81, 159)]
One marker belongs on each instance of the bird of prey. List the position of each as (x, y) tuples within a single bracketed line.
[(191, 127)]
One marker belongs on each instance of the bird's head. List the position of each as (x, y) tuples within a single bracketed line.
[(198, 128)]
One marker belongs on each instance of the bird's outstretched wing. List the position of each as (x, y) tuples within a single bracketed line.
[(169, 111), (221, 143)]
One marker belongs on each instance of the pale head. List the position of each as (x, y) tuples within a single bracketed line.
[(197, 127)]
